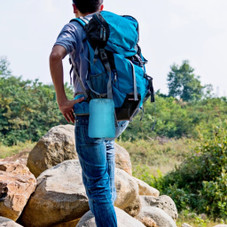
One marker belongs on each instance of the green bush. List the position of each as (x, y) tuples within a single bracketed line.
[(28, 109), (200, 183), (172, 118), (167, 117)]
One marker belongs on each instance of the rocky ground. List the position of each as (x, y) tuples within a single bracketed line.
[(44, 188)]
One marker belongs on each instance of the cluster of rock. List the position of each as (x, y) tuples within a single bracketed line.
[(49, 190)]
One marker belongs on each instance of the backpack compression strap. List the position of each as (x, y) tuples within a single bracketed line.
[(105, 61)]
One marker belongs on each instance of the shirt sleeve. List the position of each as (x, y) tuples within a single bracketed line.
[(68, 38)]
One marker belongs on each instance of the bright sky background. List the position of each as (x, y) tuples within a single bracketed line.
[(170, 31)]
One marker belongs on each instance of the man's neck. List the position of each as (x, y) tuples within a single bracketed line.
[(79, 14)]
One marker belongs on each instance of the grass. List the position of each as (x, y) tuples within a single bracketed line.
[(6, 151), (196, 220), (158, 156)]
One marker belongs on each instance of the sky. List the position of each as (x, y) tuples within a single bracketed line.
[(170, 31)]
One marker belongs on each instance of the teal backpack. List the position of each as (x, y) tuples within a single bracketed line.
[(116, 64)]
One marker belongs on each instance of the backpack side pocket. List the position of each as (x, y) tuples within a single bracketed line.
[(97, 84)]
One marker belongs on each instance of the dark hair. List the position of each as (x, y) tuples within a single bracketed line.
[(88, 6)]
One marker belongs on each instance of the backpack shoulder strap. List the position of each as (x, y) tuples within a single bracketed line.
[(81, 20)]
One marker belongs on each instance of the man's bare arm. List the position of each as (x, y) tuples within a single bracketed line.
[(56, 69)]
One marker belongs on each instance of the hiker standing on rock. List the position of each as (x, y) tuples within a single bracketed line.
[(96, 156)]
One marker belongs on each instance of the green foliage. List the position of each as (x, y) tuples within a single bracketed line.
[(168, 117), (28, 109), (194, 219), (207, 115), (163, 118), (157, 156), (200, 183), (183, 83), (4, 65)]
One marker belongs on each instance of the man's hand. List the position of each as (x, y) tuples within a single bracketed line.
[(66, 108)]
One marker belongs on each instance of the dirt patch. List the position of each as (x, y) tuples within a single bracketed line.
[(20, 157)]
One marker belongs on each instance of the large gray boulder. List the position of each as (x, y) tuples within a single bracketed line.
[(59, 197), (145, 189), (6, 222), (151, 215), (160, 217), (122, 159), (53, 148), (185, 225), (123, 220), (163, 202), (127, 193)]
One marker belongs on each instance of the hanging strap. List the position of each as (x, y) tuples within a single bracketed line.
[(73, 69), (134, 82), (105, 61)]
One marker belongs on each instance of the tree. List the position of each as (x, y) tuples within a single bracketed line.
[(4, 64), (183, 83), (28, 109)]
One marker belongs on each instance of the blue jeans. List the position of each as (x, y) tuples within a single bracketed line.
[(97, 159)]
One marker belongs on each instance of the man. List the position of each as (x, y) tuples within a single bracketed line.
[(96, 156)]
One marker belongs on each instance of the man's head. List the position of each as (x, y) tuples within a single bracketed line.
[(87, 6)]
